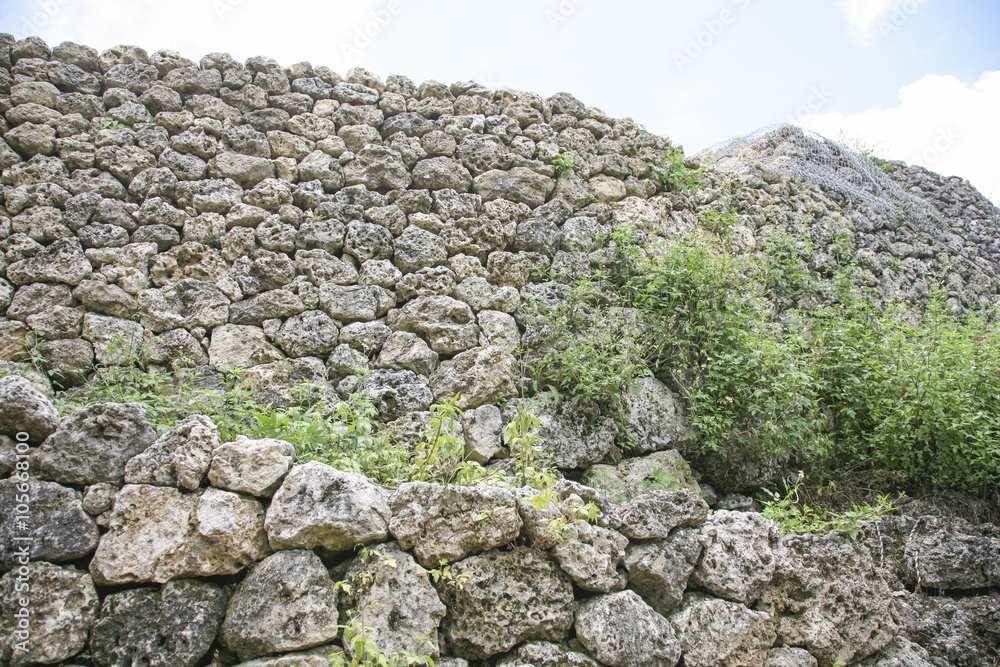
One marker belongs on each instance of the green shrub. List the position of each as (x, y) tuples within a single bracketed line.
[(672, 175)]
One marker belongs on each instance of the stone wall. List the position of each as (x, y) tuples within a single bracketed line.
[(298, 224)]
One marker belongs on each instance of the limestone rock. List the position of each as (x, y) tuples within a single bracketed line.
[(621, 630), (355, 303), (378, 168), (655, 514), (249, 466), (403, 350), (178, 458), (25, 409), (395, 393), (517, 185), (320, 506), (62, 606), (829, 599), (287, 383), (482, 427), (566, 431), (633, 477), (545, 654), (315, 657), (94, 444), (448, 325), (171, 625), (950, 554), (717, 632), (309, 334), (591, 555), (787, 656), (739, 556), (287, 603), (158, 534), (237, 346), (116, 341), (658, 570), (450, 522), (399, 601), (58, 528), (654, 417), (62, 261), (509, 597), (480, 376)]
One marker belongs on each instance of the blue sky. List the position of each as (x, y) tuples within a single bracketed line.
[(917, 80)]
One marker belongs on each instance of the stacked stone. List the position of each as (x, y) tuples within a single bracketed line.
[(134, 537)]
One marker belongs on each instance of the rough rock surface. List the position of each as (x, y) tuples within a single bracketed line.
[(479, 376), (158, 534), (719, 632), (178, 458), (508, 597), (450, 522), (653, 515), (545, 654), (739, 555), (94, 444), (565, 430), (621, 630), (63, 604), (25, 410), (633, 477), (398, 601), (58, 528), (658, 570), (591, 555), (320, 506), (654, 417), (286, 603), (249, 466), (172, 625)]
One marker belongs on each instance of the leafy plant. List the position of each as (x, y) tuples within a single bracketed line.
[(563, 163), (111, 123), (672, 175), (795, 517)]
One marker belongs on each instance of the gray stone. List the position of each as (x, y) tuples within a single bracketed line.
[(269, 305), (180, 457), (655, 514), (418, 248), (479, 376), (406, 351), (378, 168), (320, 506), (93, 444), (545, 654), (249, 466), (591, 555), (566, 431), (654, 417), (58, 528), (508, 597), (287, 603), (236, 346), (482, 427), (947, 554), (481, 295), (441, 173), (287, 383), (62, 261), (658, 570), (717, 632), (365, 241), (98, 498), (188, 303), (316, 657), (67, 362), (397, 601), (246, 170), (395, 392), (26, 410), (321, 267), (787, 656), (62, 605), (355, 303), (739, 556), (175, 348), (308, 334), (448, 325), (518, 185), (318, 166), (441, 522), (621, 630), (345, 361), (633, 477), (116, 340), (366, 337), (428, 281), (171, 625), (157, 534), (829, 599)]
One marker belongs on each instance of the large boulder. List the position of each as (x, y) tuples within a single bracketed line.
[(56, 526), (26, 410), (569, 432), (519, 184), (156, 534), (450, 522), (828, 598), (480, 376), (178, 458), (448, 325), (172, 625), (188, 303), (621, 630), (250, 466), (94, 444), (654, 417), (655, 514), (720, 633), (396, 598), (634, 477), (658, 570), (287, 603), (499, 599), (63, 604), (739, 557), (320, 506)]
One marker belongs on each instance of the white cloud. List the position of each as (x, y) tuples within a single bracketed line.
[(941, 123), (864, 16)]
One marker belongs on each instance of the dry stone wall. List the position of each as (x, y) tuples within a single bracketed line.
[(299, 224)]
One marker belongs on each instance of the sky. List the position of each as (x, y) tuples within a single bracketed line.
[(916, 80)]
